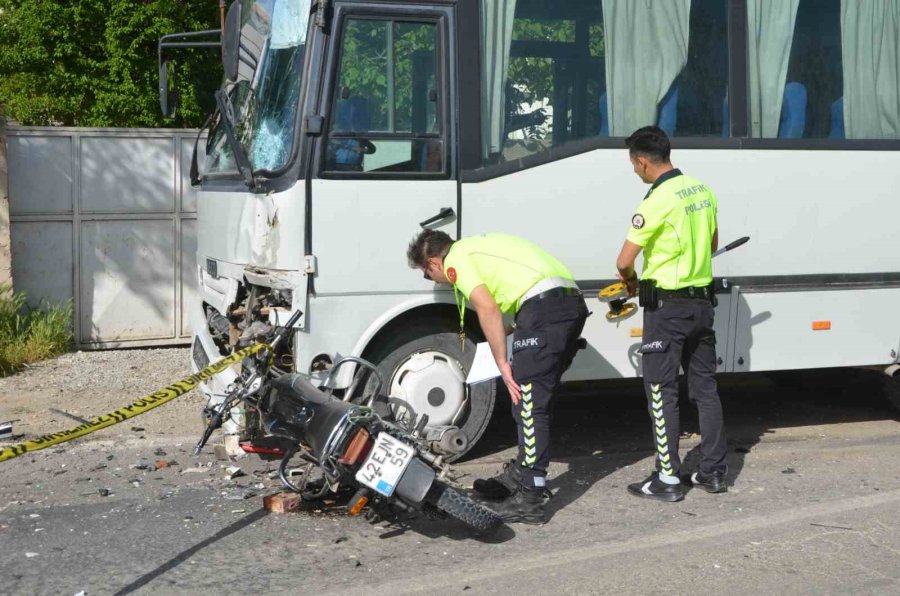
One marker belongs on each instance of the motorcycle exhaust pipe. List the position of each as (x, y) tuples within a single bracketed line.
[(447, 440)]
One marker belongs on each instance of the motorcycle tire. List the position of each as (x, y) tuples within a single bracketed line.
[(462, 508)]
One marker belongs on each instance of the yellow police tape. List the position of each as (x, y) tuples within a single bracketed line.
[(145, 404)]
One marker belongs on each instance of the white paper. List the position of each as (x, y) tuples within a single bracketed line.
[(484, 367)]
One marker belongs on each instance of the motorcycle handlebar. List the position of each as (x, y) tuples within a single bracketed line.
[(288, 327)]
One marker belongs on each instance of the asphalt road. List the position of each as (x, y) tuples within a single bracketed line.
[(814, 468)]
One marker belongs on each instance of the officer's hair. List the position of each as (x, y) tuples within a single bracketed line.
[(429, 243), (651, 142)]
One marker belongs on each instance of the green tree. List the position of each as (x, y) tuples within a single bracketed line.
[(94, 62)]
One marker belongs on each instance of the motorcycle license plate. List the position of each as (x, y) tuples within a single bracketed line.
[(385, 465)]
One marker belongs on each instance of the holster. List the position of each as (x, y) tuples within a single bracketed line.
[(648, 297)]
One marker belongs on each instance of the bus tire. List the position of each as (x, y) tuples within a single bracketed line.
[(438, 381)]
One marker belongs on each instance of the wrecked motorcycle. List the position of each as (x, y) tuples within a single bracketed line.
[(388, 466)]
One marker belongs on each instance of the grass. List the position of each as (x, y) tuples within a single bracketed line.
[(29, 334)]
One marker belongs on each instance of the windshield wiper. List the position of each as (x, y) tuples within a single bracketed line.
[(226, 110)]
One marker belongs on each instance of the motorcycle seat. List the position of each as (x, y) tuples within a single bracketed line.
[(310, 392), (321, 412)]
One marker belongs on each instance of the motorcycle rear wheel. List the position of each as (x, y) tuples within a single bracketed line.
[(462, 508)]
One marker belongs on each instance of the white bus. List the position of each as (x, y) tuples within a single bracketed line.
[(346, 126)]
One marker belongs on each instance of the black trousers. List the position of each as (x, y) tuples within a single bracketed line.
[(680, 333), (544, 344)]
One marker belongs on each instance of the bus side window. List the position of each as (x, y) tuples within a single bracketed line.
[(799, 74), (385, 115), (842, 70), (556, 72)]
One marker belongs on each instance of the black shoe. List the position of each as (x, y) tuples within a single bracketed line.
[(523, 506), (711, 483), (654, 488), (502, 485)]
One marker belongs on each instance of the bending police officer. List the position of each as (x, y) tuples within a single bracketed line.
[(503, 274), (676, 227)]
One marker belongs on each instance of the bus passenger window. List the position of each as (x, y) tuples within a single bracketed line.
[(555, 71), (795, 67), (799, 86), (385, 115), (702, 85)]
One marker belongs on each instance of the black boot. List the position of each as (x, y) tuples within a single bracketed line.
[(502, 485), (524, 505), (711, 483)]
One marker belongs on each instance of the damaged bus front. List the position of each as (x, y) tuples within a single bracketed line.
[(294, 99), (251, 200)]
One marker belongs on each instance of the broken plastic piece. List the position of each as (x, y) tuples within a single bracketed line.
[(233, 472)]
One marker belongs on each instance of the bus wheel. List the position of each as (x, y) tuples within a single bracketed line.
[(426, 375)]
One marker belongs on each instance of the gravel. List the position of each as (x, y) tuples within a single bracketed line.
[(91, 383)]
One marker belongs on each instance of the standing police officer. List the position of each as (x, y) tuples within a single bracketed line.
[(676, 228), (502, 274)]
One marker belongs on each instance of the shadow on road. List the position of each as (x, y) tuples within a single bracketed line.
[(601, 427), (449, 529), (187, 554)]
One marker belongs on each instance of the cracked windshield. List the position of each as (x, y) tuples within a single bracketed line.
[(266, 93)]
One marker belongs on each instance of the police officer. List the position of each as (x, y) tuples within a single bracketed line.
[(676, 228), (502, 274)]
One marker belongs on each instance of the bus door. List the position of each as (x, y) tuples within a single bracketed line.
[(385, 168)]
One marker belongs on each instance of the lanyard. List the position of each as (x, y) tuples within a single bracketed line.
[(460, 299)]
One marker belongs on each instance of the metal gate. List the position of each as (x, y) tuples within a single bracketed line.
[(106, 218)]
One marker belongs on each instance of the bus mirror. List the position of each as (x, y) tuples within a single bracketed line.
[(432, 95), (231, 41), (168, 100), (345, 92)]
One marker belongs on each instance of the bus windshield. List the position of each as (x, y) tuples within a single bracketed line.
[(266, 93)]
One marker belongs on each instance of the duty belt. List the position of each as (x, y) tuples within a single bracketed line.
[(551, 287), (703, 292)]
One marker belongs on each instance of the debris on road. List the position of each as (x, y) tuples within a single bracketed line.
[(220, 452), (6, 429), (833, 527), (69, 415), (283, 502), (239, 494)]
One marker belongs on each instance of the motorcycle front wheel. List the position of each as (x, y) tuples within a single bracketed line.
[(462, 508)]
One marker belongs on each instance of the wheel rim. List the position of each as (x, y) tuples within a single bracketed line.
[(429, 382)]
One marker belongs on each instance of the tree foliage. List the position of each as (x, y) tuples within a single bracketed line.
[(94, 62), (536, 73)]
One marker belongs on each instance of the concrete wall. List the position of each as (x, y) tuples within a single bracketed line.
[(5, 258)]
